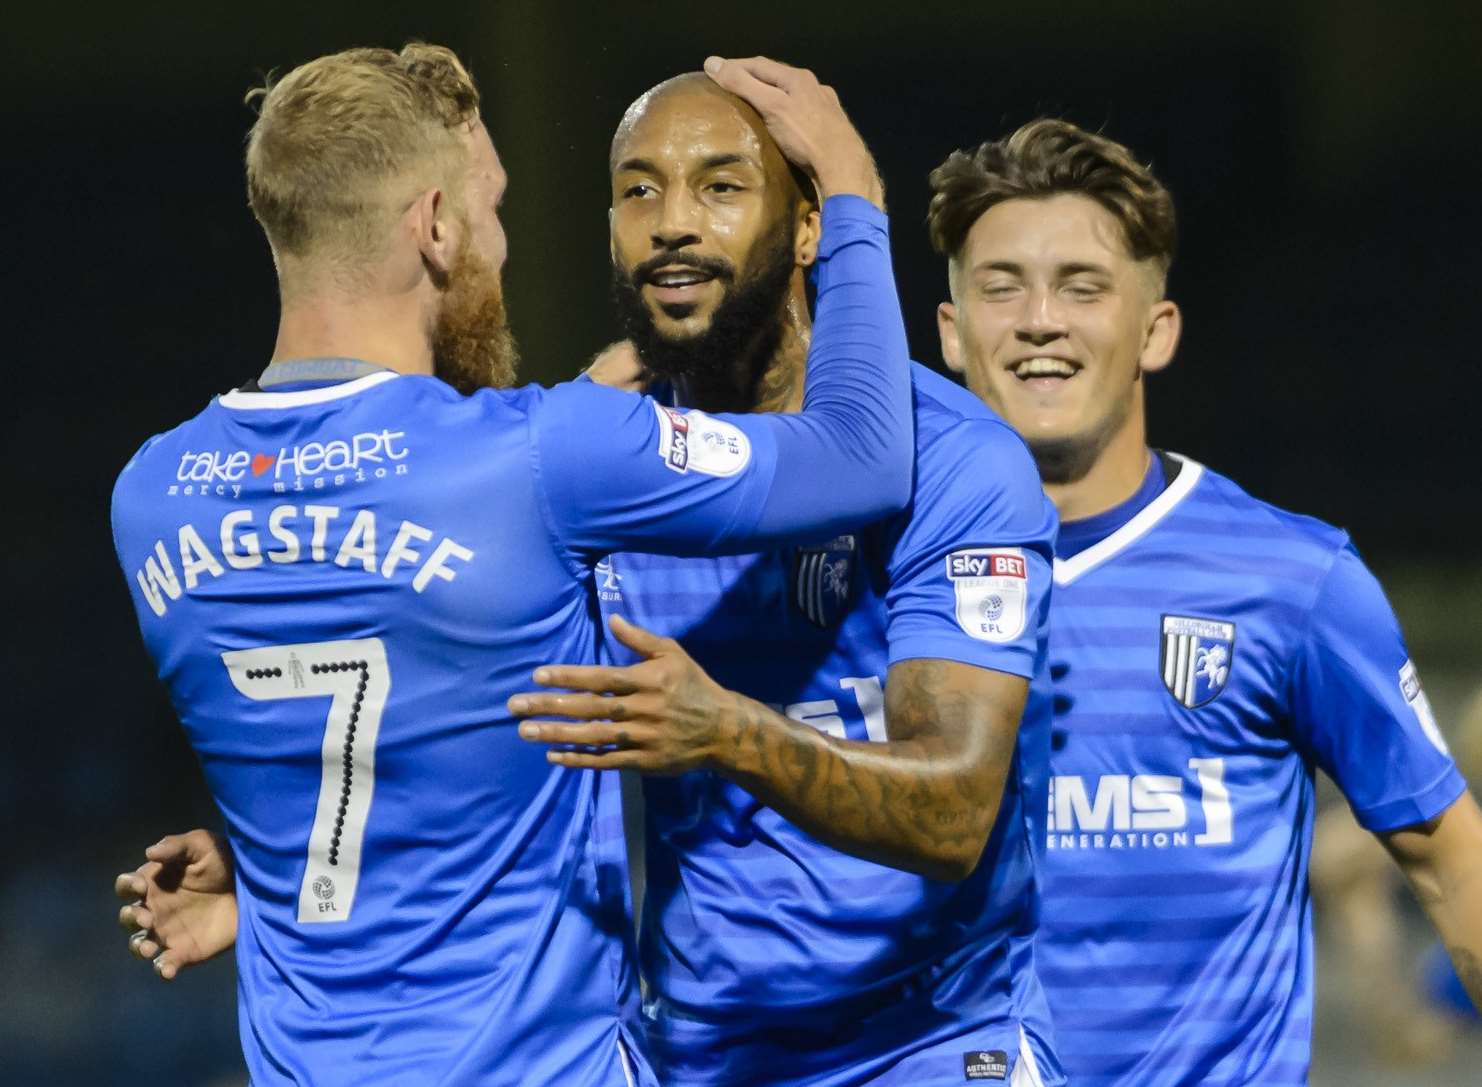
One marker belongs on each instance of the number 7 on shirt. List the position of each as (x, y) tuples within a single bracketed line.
[(354, 676)]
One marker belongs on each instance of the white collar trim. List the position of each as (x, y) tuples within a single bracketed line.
[(257, 401), (1068, 570)]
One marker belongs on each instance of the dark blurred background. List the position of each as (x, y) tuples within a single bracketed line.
[(1324, 157)]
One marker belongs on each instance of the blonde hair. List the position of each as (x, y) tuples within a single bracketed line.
[(340, 143)]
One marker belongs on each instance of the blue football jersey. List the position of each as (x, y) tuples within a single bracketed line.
[(769, 956), (341, 585), (1207, 656)]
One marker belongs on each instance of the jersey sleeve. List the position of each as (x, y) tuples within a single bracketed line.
[(1358, 707), (622, 472), (970, 568)]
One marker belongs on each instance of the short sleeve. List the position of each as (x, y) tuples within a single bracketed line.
[(970, 563), (1358, 706)]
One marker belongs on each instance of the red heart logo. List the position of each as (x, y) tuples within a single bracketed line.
[(261, 462)]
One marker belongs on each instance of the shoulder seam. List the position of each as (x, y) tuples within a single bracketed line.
[(563, 553), (969, 422), (1303, 526), (1310, 613)]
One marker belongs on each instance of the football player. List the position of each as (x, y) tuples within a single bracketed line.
[(344, 568), (1209, 651)]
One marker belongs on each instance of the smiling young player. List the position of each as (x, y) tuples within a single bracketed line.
[(1208, 651)]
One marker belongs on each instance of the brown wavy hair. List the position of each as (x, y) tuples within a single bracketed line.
[(343, 143), (1045, 158)]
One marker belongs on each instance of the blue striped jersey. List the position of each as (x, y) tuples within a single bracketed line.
[(1208, 654), (342, 583), (769, 956)]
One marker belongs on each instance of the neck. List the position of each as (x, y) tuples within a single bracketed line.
[(1113, 478), (752, 384), (389, 330)]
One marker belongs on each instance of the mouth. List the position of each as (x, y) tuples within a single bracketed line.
[(1042, 372), (677, 285)]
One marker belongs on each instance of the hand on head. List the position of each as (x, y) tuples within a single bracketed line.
[(808, 123)]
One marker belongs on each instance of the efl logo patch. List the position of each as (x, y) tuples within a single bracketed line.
[(1195, 658), (985, 1064), (822, 578), (693, 441), (992, 589), (1420, 705)]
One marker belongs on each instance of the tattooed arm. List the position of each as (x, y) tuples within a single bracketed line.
[(924, 801), (1442, 859)]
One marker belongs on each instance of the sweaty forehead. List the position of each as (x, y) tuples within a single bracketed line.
[(689, 119)]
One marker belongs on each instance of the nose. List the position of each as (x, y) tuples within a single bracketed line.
[(677, 226), (1042, 320)]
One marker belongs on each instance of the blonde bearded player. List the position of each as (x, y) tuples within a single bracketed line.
[(343, 569)]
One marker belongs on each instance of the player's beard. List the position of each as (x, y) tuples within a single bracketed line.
[(472, 346), (745, 330), (1068, 459)]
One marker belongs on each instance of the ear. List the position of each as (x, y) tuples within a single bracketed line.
[(611, 239), (951, 342), (810, 229), (437, 231), (1165, 324)]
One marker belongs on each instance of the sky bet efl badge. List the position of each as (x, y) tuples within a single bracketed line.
[(691, 441), (1196, 658), (992, 587)]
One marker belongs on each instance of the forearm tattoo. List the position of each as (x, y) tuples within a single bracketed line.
[(925, 800)]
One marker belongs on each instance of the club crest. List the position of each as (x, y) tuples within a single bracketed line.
[(1196, 658), (609, 582), (823, 579)]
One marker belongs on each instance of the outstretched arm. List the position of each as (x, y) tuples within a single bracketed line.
[(925, 800), (1442, 859)]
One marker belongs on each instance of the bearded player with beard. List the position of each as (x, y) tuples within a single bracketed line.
[(840, 880), (771, 954), (343, 569)]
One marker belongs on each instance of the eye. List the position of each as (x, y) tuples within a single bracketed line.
[(637, 192), (1084, 292), (999, 290), (724, 187)]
